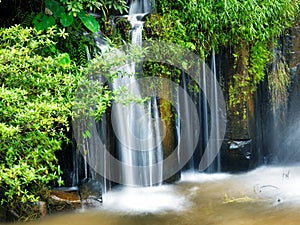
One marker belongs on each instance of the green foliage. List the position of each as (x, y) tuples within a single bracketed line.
[(250, 69), (67, 12), (36, 98), (55, 12), (247, 27), (73, 19), (89, 22), (278, 81), (76, 6), (215, 23), (259, 57), (94, 95)]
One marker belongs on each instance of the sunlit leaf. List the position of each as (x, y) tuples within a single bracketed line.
[(64, 59)]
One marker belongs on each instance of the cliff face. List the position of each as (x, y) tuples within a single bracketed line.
[(268, 134), (289, 148)]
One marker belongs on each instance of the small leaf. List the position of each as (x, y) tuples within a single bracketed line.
[(66, 20), (86, 134), (52, 48), (64, 59)]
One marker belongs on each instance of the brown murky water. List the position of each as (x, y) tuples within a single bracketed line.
[(266, 196)]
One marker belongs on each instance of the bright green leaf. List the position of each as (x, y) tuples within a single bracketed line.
[(39, 26), (89, 22), (64, 59)]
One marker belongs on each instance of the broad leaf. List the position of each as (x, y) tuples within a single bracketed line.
[(89, 22), (66, 20), (59, 12), (48, 21), (52, 5), (39, 26)]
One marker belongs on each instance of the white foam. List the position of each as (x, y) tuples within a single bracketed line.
[(278, 183), (144, 200), (197, 177)]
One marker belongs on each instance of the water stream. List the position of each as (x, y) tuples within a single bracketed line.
[(214, 107), (265, 196), (136, 125)]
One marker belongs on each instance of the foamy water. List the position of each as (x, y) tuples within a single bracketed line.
[(276, 185), (197, 177), (281, 184), (265, 196), (145, 200)]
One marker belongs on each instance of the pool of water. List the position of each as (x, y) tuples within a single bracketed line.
[(267, 195)]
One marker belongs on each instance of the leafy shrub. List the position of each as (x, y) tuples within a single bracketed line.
[(36, 95)]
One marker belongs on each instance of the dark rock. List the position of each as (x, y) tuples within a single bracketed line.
[(237, 155), (3, 212), (90, 189)]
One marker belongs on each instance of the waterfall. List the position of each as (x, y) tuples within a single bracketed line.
[(185, 106), (137, 126), (208, 112), (140, 6), (214, 106), (203, 109)]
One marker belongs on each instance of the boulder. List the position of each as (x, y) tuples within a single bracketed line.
[(90, 191)]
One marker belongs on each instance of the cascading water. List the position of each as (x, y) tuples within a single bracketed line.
[(185, 106), (137, 125), (140, 6), (214, 106), (208, 110)]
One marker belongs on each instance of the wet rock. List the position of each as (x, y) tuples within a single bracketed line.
[(64, 199), (243, 146), (90, 191), (237, 156)]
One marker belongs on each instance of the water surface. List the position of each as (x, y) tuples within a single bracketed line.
[(267, 195)]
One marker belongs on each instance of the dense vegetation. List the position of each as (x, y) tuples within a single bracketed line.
[(249, 29), (36, 105), (43, 57)]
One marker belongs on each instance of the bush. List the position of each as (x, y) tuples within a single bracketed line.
[(36, 95)]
